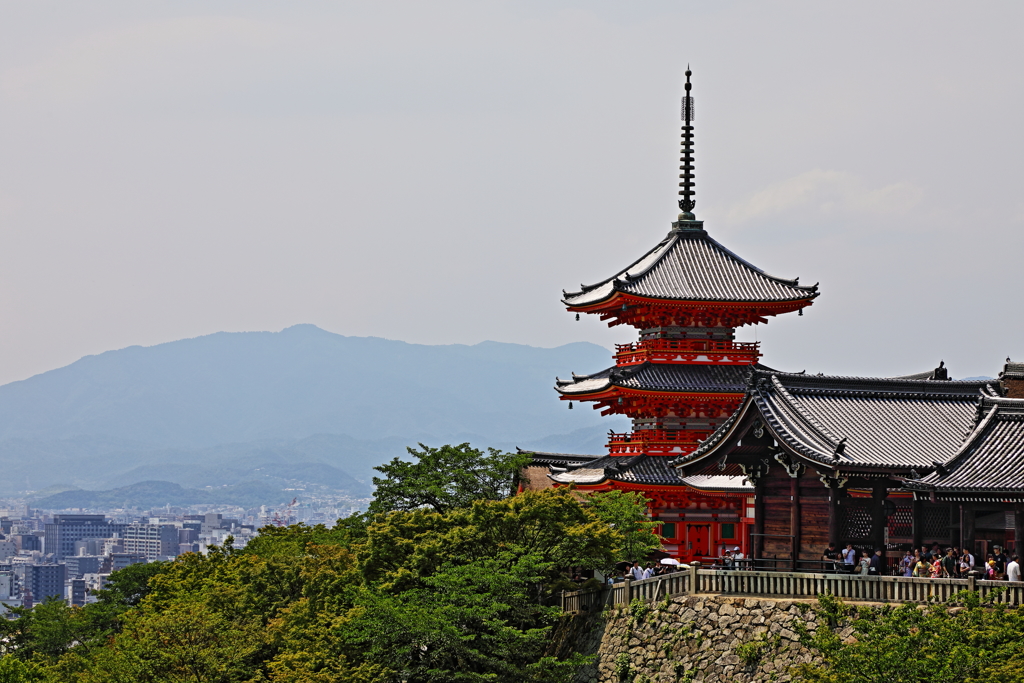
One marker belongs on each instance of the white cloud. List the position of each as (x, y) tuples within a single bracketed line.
[(826, 193)]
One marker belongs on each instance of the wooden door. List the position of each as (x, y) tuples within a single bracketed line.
[(698, 539)]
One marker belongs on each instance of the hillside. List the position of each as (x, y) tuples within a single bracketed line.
[(232, 407)]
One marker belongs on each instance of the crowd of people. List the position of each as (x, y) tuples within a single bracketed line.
[(936, 563)]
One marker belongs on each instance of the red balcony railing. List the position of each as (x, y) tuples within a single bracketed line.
[(687, 351), (656, 441)]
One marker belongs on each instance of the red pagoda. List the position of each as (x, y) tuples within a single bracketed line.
[(683, 377)]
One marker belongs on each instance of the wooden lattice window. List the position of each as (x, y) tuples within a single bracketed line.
[(901, 522), (936, 523), (856, 521)]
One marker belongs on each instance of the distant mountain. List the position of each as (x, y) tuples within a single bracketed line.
[(272, 407), (150, 494)]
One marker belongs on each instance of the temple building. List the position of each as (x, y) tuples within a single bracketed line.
[(682, 378), (848, 459)]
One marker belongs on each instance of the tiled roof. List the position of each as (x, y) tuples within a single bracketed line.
[(719, 482), (661, 377), (860, 421), (991, 458), (647, 469), (558, 459), (635, 469), (688, 265), (1012, 370)]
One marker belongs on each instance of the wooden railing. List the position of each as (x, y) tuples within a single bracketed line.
[(656, 441), (687, 351), (791, 585)]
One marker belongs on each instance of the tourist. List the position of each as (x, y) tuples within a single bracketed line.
[(1000, 561), (1013, 569), (649, 572), (876, 564), (849, 557), (865, 563), (936, 572), (969, 557), (637, 571), (965, 566), (830, 558), (990, 569), (737, 556), (925, 555), (949, 565), (907, 564), (922, 570)]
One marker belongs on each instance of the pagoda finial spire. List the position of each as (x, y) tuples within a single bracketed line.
[(687, 193)]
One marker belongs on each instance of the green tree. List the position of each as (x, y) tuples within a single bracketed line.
[(626, 512), (404, 548), (969, 642), (446, 478), (13, 670)]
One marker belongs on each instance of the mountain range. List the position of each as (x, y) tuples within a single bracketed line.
[(279, 408)]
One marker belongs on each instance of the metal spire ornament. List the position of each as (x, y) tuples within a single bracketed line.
[(687, 193)]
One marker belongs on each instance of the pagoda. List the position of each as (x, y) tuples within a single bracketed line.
[(683, 376)]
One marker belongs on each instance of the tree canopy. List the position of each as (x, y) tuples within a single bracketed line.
[(446, 478), (462, 593)]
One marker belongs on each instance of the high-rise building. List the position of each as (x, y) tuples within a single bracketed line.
[(65, 530), (153, 541), (45, 581), (6, 585), (79, 565), (122, 560), (78, 592)]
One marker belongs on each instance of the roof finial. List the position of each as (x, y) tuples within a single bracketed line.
[(687, 202)]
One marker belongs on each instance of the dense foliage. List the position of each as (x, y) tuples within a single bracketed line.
[(965, 641), (452, 589), (445, 478)]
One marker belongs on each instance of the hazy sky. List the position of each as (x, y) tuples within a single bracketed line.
[(438, 171)]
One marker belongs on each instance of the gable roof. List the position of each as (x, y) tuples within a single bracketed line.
[(856, 421), (990, 459), (688, 265)]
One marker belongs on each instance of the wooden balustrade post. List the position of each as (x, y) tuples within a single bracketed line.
[(628, 591), (693, 580)]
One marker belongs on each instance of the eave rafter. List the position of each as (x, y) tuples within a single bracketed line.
[(652, 404), (641, 312)]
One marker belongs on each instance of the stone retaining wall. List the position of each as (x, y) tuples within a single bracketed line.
[(704, 638)]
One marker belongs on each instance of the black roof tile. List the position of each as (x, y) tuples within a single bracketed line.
[(688, 265), (661, 377), (990, 459), (886, 422)]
